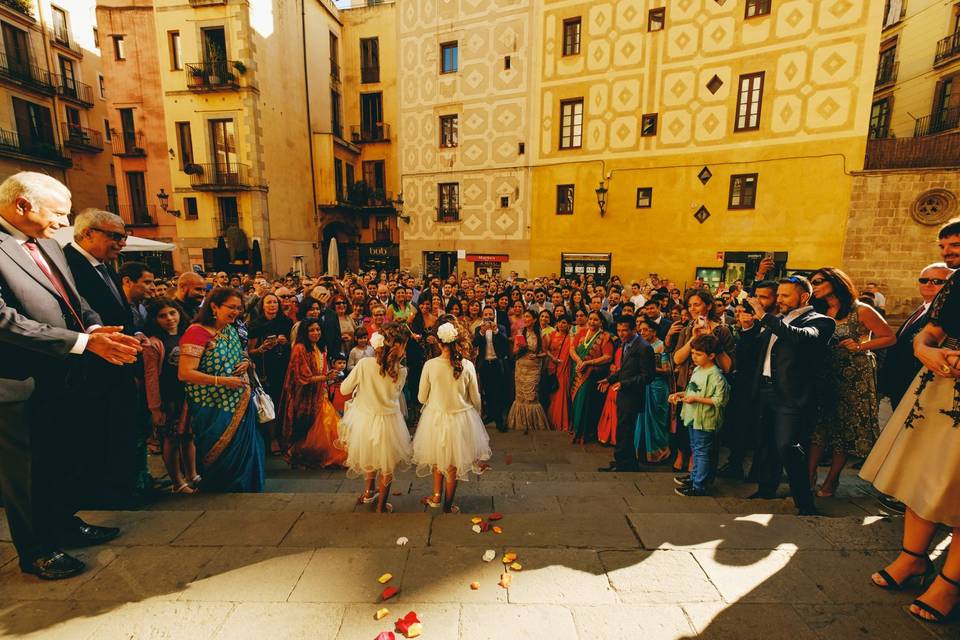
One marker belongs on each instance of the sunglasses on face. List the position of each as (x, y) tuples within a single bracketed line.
[(286, 297), (817, 282), (116, 236), (936, 281)]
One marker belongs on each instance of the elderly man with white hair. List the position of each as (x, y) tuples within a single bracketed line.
[(45, 328)]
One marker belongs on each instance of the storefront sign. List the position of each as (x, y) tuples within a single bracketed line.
[(482, 257)]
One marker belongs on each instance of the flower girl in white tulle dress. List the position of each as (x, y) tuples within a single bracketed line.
[(451, 439), (373, 430)]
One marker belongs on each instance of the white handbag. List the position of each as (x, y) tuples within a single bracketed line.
[(266, 412)]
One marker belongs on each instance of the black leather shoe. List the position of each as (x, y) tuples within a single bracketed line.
[(54, 566), (87, 535), (762, 495), (892, 504)]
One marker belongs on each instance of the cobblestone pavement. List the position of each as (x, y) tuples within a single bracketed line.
[(602, 555)]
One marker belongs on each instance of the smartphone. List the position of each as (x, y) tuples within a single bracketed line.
[(768, 255)]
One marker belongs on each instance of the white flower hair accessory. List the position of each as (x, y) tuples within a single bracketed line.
[(447, 333), (377, 340)]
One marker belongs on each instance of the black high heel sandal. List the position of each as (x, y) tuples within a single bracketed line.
[(939, 617), (893, 585)]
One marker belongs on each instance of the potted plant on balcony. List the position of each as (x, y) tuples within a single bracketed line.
[(358, 194), (240, 67), (193, 169), (196, 75)]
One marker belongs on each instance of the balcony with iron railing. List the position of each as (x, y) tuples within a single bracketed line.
[(128, 144), (220, 177), (24, 7), (219, 75), (25, 75), (947, 49), (937, 122), (82, 138), (12, 142), (887, 72), (136, 215), (74, 91), (378, 132), (914, 153)]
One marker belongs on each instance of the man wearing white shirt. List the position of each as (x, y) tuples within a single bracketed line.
[(636, 297), (879, 300), (792, 352)]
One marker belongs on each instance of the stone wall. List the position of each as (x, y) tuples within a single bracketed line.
[(885, 242)]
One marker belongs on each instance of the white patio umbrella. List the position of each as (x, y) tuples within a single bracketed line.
[(333, 259), (134, 243)]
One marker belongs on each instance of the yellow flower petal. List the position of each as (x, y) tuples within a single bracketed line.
[(381, 614), (385, 578)]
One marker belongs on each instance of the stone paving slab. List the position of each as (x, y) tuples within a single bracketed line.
[(672, 504), (737, 572), (551, 576), (163, 620), (138, 573), (866, 532), (439, 620), (592, 504), (663, 622), (297, 485), (578, 488), (238, 528), (657, 577), (347, 575), (459, 566), (7, 553), (287, 620), (708, 531), (16, 585), (597, 531), (322, 502), (844, 575), (721, 621), (527, 504), (842, 622), (223, 502), (143, 527), (358, 530), (249, 574), (39, 620), (521, 622)]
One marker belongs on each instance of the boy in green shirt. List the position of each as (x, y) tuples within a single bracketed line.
[(703, 402)]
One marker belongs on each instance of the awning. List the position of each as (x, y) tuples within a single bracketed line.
[(64, 236)]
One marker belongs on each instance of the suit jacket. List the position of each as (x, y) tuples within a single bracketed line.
[(501, 345), (637, 368), (796, 359), (900, 366), (96, 292), (330, 325), (37, 329)]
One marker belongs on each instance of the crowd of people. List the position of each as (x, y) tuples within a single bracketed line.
[(383, 369)]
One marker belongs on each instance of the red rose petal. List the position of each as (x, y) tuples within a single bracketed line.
[(484, 526), (389, 592), (386, 635), (403, 624), (493, 517), (509, 460)]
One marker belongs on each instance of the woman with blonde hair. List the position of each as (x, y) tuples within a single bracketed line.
[(451, 439), (373, 430)]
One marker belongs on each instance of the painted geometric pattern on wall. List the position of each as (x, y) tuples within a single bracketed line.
[(489, 100), (811, 52)]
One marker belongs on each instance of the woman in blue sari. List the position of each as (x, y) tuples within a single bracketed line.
[(652, 435), (213, 368)]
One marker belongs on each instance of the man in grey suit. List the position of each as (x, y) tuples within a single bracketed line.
[(46, 329)]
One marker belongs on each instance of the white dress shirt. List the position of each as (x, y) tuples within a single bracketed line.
[(787, 319), (81, 344)]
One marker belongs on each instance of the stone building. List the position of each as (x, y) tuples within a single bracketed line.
[(910, 183)]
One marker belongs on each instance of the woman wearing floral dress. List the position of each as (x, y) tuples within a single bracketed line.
[(848, 423)]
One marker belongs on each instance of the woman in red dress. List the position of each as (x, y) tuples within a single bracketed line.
[(558, 351)]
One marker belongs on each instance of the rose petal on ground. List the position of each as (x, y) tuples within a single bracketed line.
[(386, 635), (489, 555), (498, 529), (415, 630), (516, 566), (476, 520), (402, 541), (505, 580), (493, 517), (389, 592), (381, 614), (474, 585), (484, 526), (405, 624), (476, 528), (509, 557), (385, 578)]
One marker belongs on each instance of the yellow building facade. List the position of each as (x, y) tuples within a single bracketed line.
[(719, 132), (51, 107), (466, 82)]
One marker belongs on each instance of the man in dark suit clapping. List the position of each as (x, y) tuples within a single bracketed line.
[(493, 367), (637, 369), (793, 346), (900, 366), (45, 327)]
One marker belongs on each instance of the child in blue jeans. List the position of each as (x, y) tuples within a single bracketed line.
[(703, 402)]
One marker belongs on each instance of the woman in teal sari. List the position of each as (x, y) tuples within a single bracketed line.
[(652, 435), (591, 354), (213, 368)]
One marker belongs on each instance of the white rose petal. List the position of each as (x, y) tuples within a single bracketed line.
[(402, 541)]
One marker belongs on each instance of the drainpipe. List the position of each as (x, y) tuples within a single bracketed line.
[(306, 85)]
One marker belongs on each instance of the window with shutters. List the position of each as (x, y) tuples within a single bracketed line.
[(749, 98)]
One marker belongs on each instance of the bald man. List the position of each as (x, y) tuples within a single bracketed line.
[(191, 290)]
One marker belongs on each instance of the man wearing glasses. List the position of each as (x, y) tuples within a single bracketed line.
[(900, 365)]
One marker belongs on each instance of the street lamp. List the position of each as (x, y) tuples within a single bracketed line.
[(602, 198), (164, 199), (398, 207)]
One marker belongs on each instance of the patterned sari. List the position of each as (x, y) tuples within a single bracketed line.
[(587, 400), (224, 421), (310, 421), (652, 435), (559, 411)]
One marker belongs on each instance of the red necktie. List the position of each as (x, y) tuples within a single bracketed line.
[(53, 277)]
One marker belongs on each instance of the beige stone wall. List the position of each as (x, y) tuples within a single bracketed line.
[(884, 243)]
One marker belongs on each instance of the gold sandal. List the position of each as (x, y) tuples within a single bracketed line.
[(434, 503)]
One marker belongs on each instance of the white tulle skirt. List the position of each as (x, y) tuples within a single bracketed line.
[(374, 442), (445, 440)]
